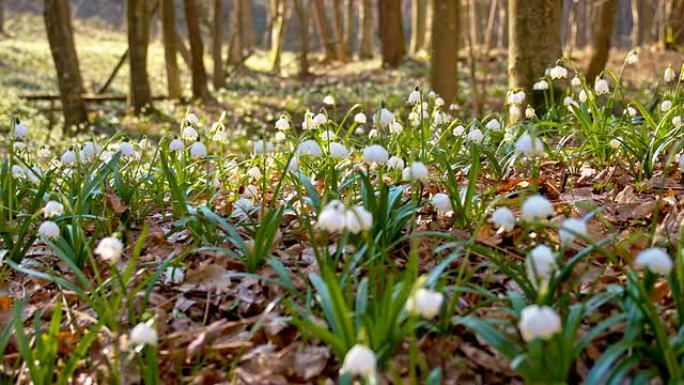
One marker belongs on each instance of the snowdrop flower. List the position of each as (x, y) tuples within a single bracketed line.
[(569, 102), (262, 147), (439, 102), (582, 96), (254, 173), (18, 171), (127, 150), (570, 229), (198, 150), (514, 113), (18, 146), (539, 322), (677, 121), (329, 100), (540, 264), (328, 135), (189, 133), (48, 230), (576, 82), (191, 118), (307, 123), (53, 209), (143, 334), (631, 111), (558, 72), (665, 105), (669, 74), (279, 136), (432, 94), (176, 145), (529, 112), (174, 275), (414, 97), (282, 124), (632, 57), (541, 85), (615, 143), (251, 191), (319, 120), (338, 151), (516, 97), (601, 87), (458, 130), (309, 147), (332, 217), (529, 146), (441, 203), (360, 118), (110, 250), (44, 154), (396, 163), (475, 135), (415, 172), (221, 135), (536, 207), (358, 219), (91, 149), (385, 117), (293, 165), (425, 303), (375, 153), (359, 361), (243, 208), (655, 260), (372, 133), (20, 130), (395, 128), (68, 158), (493, 124), (503, 219)]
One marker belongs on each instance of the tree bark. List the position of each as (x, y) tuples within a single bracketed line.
[(429, 16), (217, 45), (169, 37), (137, 18), (303, 38), (599, 46), (2, 16), (249, 36), (445, 41), (349, 35), (338, 23), (200, 91), (418, 14), (57, 14), (324, 30), (366, 29), (675, 29), (277, 32), (391, 32), (236, 34), (533, 40)]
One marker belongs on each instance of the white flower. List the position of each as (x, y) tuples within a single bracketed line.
[(529, 145), (143, 334), (439, 102), (558, 72), (669, 74), (319, 120), (360, 118), (503, 218), (414, 97), (91, 149), (68, 158), (174, 275), (375, 153), (539, 322), (282, 124), (360, 360), (441, 203), (396, 163), (358, 219), (516, 97), (514, 113), (18, 146), (20, 130), (307, 123), (569, 102), (251, 191), (243, 208), (262, 147), (665, 105), (570, 229), (372, 133), (198, 150), (601, 87), (309, 147), (417, 171), (541, 85), (110, 250), (540, 264), (677, 121), (191, 118), (127, 150), (279, 136), (576, 82), (631, 111), (337, 150), (44, 154), (536, 207), (615, 143), (655, 260), (632, 57), (221, 135), (53, 209), (493, 124), (18, 171), (681, 163), (384, 116), (293, 165), (328, 135), (475, 135), (529, 112), (425, 303), (582, 96), (395, 128), (332, 217), (176, 145), (432, 94), (329, 100), (458, 130), (254, 173), (48, 230), (189, 133)]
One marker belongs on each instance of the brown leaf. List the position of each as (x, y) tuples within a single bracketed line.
[(115, 203)]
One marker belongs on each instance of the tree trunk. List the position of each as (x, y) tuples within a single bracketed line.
[(349, 35), (429, 16), (217, 45), (137, 18), (249, 36), (675, 29), (533, 40), (489, 31), (169, 36), (603, 19), (418, 11), (324, 30), (646, 21), (366, 29), (277, 32), (236, 34), (338, 23), (445, 41), (391, 32), (200, 91), (57, 14), (2, 16), (302, 18)]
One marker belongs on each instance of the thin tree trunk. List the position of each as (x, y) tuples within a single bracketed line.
[(249, 36), (646, 20), (2, 16), (349, 35), (489, 31), (200, 91), (502, 41), (429, 17), (303, 38), (604, 17), (418, 14), (217, 45), (533, 40), (445, 41), (277, 32), (236, 35), (338, 23), (169, 35), (366, 29), (137, 17), (675, 30), (391, 32), (57, 15), (324, 30)]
